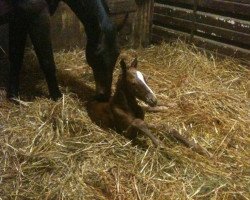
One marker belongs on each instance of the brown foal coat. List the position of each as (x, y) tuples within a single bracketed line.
[(123, 113)]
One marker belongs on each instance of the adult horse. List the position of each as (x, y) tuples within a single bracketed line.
[(32, 17)]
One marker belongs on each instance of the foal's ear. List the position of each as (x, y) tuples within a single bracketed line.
[(123, 66), (134, 63)]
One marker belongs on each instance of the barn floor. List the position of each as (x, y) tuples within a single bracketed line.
[(51, 150)]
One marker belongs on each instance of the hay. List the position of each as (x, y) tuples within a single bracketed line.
[(51, 150)]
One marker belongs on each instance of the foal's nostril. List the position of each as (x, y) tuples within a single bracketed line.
[(154, 102), (151, 100)]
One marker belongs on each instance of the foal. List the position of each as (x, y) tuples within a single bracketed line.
[(122, 112)]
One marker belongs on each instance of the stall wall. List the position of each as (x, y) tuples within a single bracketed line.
[(217, 25)]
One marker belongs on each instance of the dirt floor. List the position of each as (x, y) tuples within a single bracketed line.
[(51, 150)]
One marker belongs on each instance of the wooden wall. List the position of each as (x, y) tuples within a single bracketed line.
[(218, 25), (68, 32), (118, 9)]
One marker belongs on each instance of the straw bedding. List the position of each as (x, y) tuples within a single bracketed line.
[(51, 150)]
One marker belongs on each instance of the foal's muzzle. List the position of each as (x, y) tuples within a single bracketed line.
[(151, 100)]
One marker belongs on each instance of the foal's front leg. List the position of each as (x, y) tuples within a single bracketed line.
[(133, 125), (143, 128)]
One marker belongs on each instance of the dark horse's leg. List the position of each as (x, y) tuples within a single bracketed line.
[(103, 71), (101, 51), (31, 18), (39, 31), (17, 38)]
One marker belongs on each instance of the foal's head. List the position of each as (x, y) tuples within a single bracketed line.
[(136, 83)]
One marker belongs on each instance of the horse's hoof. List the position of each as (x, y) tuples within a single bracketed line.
[(12, 95), (56, 96), (15, 99)]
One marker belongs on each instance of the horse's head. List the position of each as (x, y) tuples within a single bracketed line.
[(102, 49), (137, 84), (107, 50)]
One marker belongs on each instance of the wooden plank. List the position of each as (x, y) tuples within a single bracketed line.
[(67, 31), (160, 33), (234, 8), (125, 36), (218, 33), (155, 39), (205, 18), (142, 24), (240, 1)]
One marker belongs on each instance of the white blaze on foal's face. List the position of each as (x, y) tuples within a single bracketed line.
[(142, 80)]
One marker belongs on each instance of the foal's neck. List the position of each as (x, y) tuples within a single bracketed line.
[(123, 97)]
